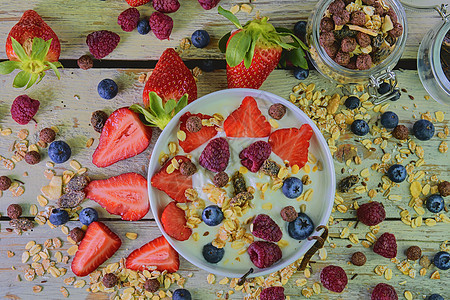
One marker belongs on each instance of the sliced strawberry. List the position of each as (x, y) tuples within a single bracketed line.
[(158, 253), (173, 219), (98, 245), (173, 184), (123, 136), (125, 195), (196, 139), (292, 144), (247, 121)]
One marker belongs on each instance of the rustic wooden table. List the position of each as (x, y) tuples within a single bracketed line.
[(68, 103)]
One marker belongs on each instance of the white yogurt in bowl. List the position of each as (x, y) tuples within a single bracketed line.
[(319, 168)]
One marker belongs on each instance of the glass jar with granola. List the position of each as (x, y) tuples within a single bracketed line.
[(352, 40)]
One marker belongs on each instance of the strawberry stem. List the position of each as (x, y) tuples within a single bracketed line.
[(32, 62)]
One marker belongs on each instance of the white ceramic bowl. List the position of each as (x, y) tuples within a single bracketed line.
[(318, 209)]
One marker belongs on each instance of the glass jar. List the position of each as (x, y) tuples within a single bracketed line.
[(429, 64), (332, 70)]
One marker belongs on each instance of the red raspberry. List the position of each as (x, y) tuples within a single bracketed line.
[(166, 6), (371, 213), (384, 291), (334, 278), (272, 293), (23, 109), (264, 254), (254, 155), (386, 245), (265, 228), (102, 43), (208, 4), (215, 156), (128, 19), (161, 25)]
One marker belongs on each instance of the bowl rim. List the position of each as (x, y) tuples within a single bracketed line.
[(307, 244)]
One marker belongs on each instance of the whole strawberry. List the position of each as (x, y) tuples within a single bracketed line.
[(136, 3), (383, 291), (371, 213), (386, 245), (23, 109), (254, 50), (333, 278), (33, 47), (171, 81), (102, 42)]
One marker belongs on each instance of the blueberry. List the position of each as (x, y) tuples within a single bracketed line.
[(107, 89), (143, 27), (181, 294), (435, 297), (59, 152), (384, 88), (292, 187), (442, 260), (212, 215), (360, 127), (300, 73), (200, 38), (59, 216), (397, 95), (88, 215), (352, 102), (212, 254), (300, 29), (207, 65), (389, 119), (396, 173), (423, 130), (435, 203), (301, 228)]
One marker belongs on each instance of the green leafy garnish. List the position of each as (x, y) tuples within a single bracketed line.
[(159, 114), (33, 66)]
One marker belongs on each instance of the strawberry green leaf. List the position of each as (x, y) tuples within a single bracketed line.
[(223, 42), (182, 102), (18, 50), (169, 106), (54, 67), (297, 58), (237, 48), (33, 79), (21, 79), (8, 66), (285, 45), (249, 55), (149, 117), (156, 105), (229, 15), (39, 49)]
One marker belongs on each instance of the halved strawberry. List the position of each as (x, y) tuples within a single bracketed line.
[(173, 219), (123, 136), (124, 195), (292, 144), (196, 139), (247, 121), (173, 184), (158, 253), (98, 245)]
